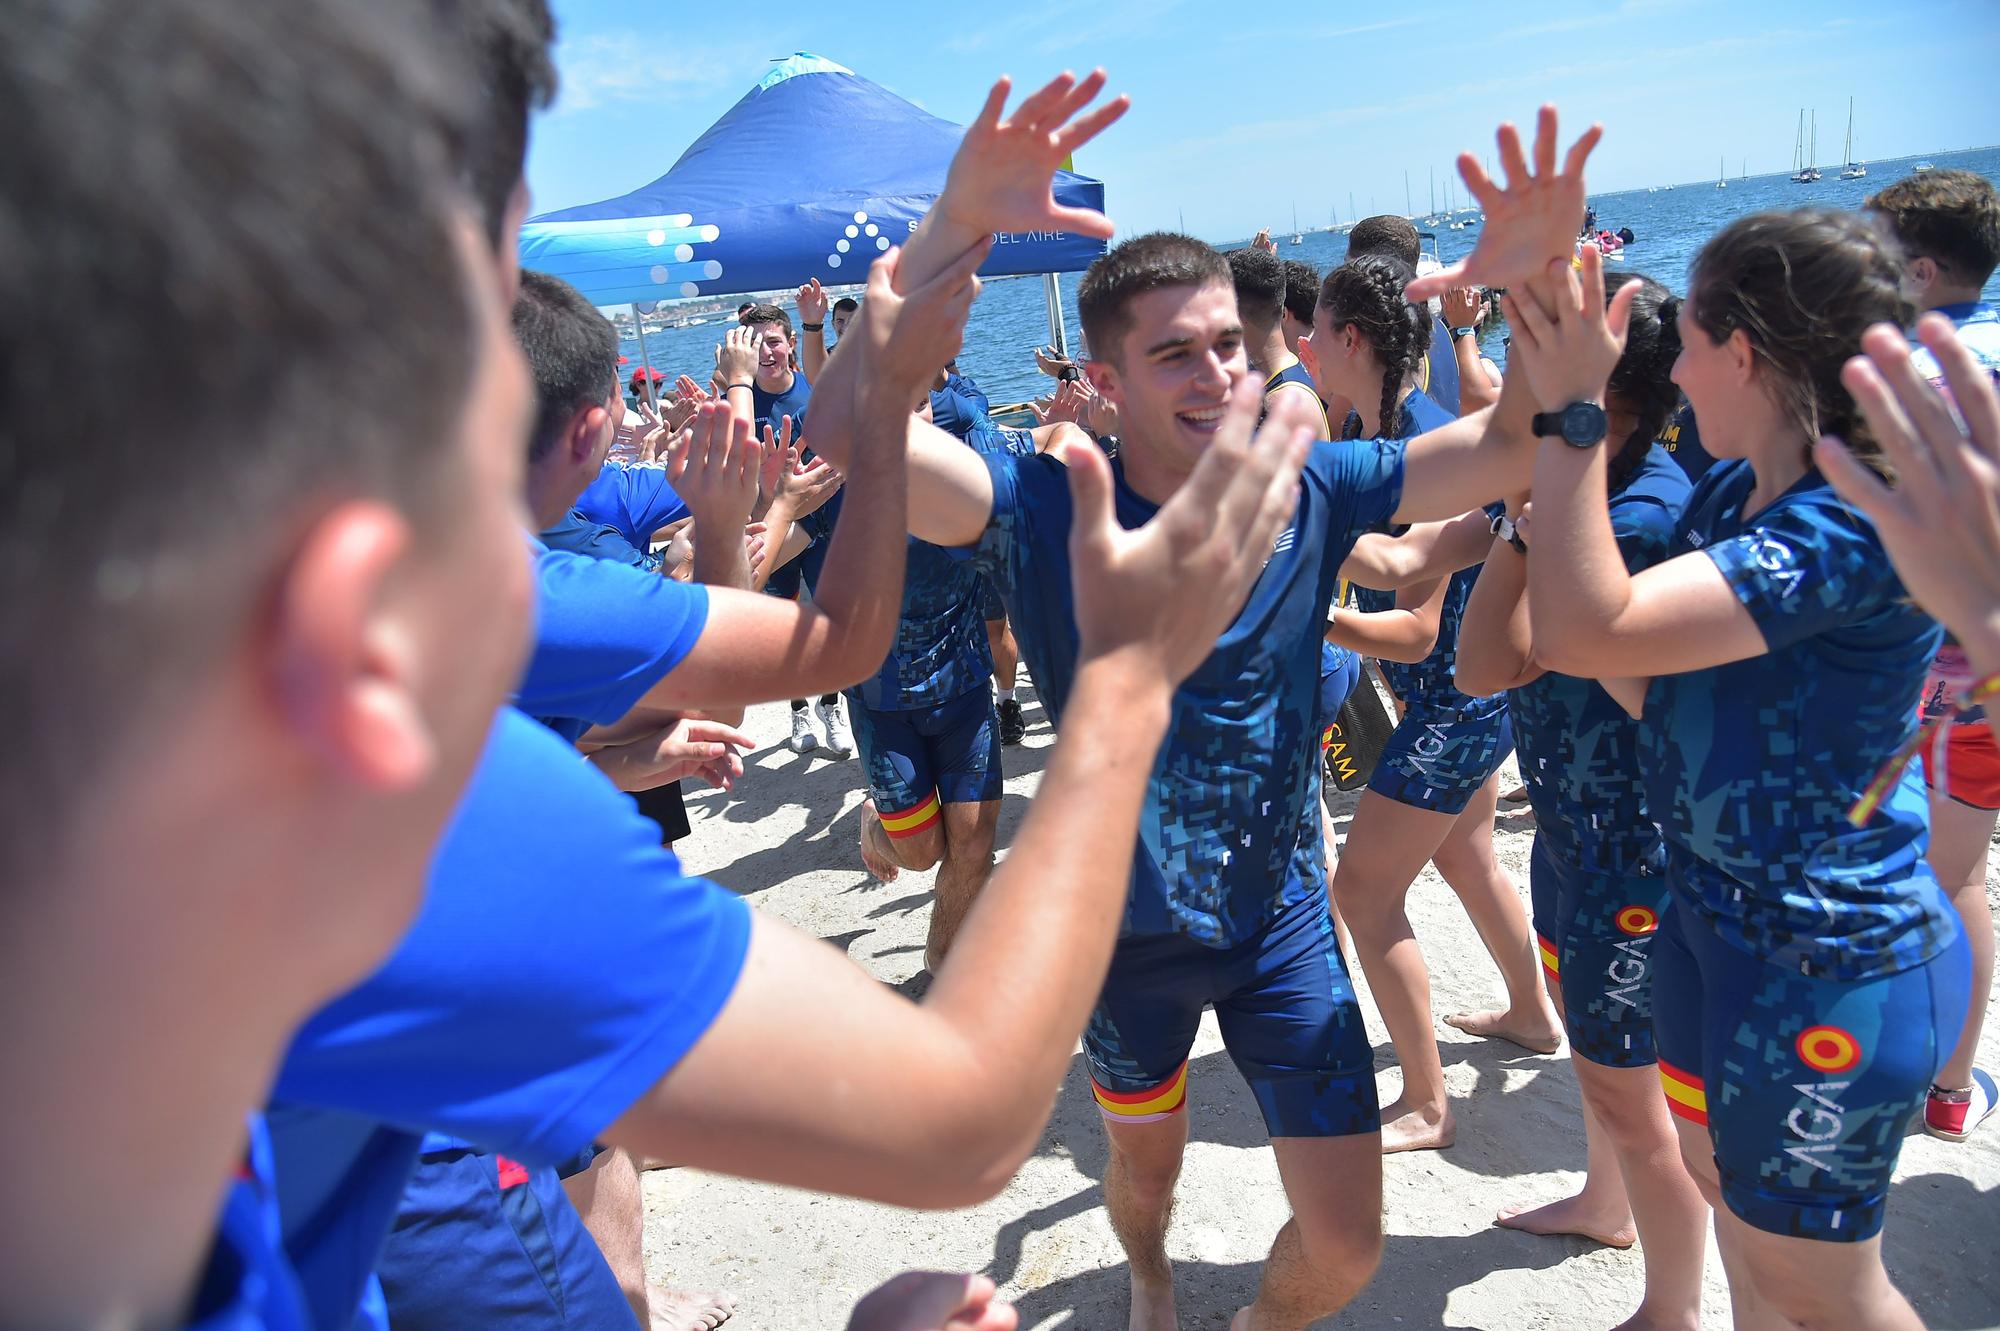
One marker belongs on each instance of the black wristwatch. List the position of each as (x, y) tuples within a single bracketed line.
[(1465, 331), (1580, 424), (1503, 527), (1069, 374), (812, 328)]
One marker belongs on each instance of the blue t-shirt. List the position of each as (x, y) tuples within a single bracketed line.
[(1294, 373), (1682, 440), (1578, 749), (1751, 767), (633, 501), (596, 540), (772, 407), (561, 965), (248, 1283), (940, 651), (1428, 683), (605, 633), (959, 408), (1229, 835), (1437, 373)]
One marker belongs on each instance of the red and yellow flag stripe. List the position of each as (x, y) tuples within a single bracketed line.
[(910, 822), (1685, 1096), (1145, 1106), (1551, 960)]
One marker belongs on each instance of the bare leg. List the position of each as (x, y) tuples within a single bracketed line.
[(1959, 840), (1328, 1250), (967, 864), (1597, 1211), (1387, 846), (608, 1199), (1006, 654), (1808, 1283), (1671, 1217), (1486, 890), (1340, 933), (1139, 1197)]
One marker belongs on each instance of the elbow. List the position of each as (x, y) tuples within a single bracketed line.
[(1478, 679), (1410, 651), (973, 1163)]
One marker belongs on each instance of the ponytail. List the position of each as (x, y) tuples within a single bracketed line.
[(1367, 293)]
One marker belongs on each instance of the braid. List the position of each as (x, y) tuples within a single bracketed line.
[(1367, 293)]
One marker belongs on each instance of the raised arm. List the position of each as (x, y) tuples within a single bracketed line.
[(1407, 633), (713, 466), (1427, 550), (937, 1105), (1496, 644), (1590, 616), (812, 330)]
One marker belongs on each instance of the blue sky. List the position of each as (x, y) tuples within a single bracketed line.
[(1239, 114)]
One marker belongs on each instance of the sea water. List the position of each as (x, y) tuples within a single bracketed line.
[(1010, 318)]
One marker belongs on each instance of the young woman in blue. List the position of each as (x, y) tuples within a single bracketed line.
[(1809, 975), (1596, 883), (1433, 794)]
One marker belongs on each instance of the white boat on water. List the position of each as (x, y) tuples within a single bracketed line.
[(1720, 181), (1803, 170), (1922, 167), (1853, 170)]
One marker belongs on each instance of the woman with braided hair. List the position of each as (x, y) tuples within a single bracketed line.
[(1598, 889), (1433, 793)]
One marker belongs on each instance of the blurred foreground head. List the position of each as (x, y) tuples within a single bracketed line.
[(261, 431)]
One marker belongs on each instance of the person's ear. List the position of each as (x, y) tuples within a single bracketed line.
[(1103, 376), (341, 660), (1742, 356), (586, 433), (1923, 271)]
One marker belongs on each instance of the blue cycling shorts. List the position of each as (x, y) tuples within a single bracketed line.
[(919, 759), (1437, 760), (1806, 1085), (1288, 1014), (1595, 934)]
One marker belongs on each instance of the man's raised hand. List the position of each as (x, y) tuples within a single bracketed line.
[(714, 465), (907, 339), (1162, 594), (812, 302), (1529, 222), (736, 358)]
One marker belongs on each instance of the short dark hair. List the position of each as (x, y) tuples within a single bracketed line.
[(259, 268), (1385, 234), (1951, 218), (506, 47), (1259, 279), (745, 308), (846, 303), (572, 353), (768, 314), (1301, 289), (1142, 264)]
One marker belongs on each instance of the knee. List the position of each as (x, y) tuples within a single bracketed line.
[(1144, 1177), (1630, 1120), (1799, 1294), (922, 851), (1344, 1256)]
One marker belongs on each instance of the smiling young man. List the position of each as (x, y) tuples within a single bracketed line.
[(1228, 896)]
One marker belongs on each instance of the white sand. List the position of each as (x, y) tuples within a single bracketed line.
[(786, 839)]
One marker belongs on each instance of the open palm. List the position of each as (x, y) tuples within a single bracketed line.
[(1530, 221), (1002, 176)]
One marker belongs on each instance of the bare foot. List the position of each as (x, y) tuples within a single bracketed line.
[(1537, 1034), (689, 1309), (1153, 1305), (874, 847), (1408, 1129), (1645, 1321), (1573, 1215)]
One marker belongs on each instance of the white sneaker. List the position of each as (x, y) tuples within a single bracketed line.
[(837, 739), (803, 740)]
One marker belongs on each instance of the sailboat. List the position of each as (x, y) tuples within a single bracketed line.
[(1803, 171), (1853, 170), (1298, 236), (1720, 175)]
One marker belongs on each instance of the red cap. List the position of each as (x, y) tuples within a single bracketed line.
[(645, 372), (624, 360)]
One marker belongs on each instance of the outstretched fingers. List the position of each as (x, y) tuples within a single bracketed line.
[(1071, 102), (1579, 152), (1545, 140), (988, 118), (1512, 160), (1090, 126), (1972, 384)]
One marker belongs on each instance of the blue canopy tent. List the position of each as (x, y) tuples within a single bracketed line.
[(813, 174)]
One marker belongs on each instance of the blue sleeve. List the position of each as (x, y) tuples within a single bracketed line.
[(638, 501), (1806, 569), (561, 965), (604, 634), (1361, 484), (993, 555)]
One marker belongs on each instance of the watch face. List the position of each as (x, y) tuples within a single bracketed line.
[(1583, 423)]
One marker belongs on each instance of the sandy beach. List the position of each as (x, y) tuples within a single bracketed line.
[(785, 839)]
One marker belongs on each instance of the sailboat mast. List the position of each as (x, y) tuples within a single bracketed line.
[(1407, 210), (1847, 153), (1434, 188)]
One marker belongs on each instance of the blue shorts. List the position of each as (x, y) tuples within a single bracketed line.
[(1437, 760), (918, 759), (1288, 1014), (785, 582), (1595, 932), (1339, 671), (1806, 1086), (483, 1241)]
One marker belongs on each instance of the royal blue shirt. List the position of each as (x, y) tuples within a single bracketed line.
[(605, 633), (633, 501), (1229, 835), (561, 965), (959, 408), (1751, 767), (578, 535), (248, 1283), (1578, 749)]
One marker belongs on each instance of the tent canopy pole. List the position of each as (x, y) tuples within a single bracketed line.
[(1052, 296), (645, 358)]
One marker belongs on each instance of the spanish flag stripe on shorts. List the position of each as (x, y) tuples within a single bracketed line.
[(1685, 1096), (912, 821), (1550, 961), (1147, 1106)]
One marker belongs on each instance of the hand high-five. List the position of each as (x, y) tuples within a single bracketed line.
[(1262, 241), (908, 339), (1565, 339), (736, 358), (713, 465), (1531, 221), (812, 303), (1001, 177)]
